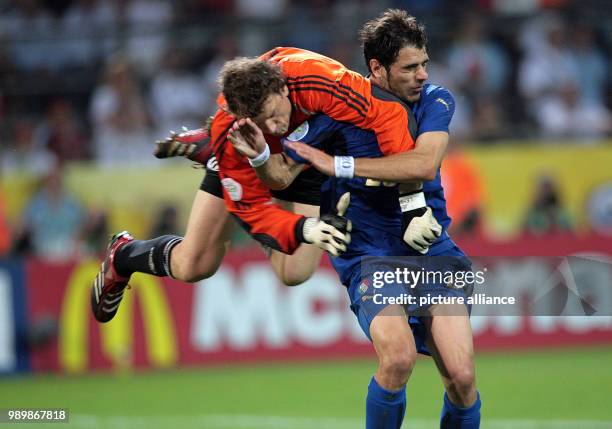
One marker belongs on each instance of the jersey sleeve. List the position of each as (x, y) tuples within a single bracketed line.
[(438, 110), (313, 132), (248, 199), (321, 86)]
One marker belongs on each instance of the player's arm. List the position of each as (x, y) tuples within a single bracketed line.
[(249, 201), (277, 171), (423, 162), (420, 164), (417, 165)]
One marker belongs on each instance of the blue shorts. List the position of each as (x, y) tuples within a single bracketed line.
[(413, 282)]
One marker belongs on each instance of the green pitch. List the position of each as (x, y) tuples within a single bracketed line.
[(552, 389)]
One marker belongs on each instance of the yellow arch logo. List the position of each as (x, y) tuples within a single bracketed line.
[(116, 336)]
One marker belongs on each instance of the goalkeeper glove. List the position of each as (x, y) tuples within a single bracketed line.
[(420, 228), (331, 231)]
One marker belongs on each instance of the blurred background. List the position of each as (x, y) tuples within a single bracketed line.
[(87, 86)]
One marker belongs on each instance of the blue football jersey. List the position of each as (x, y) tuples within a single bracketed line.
[(374, 209)]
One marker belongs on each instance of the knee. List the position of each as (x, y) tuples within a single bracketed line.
[(462, 379), (398, 364), (194, 276), (193, 269), (292, 274), (293, 278)]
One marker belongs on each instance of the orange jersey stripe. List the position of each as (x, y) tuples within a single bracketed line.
[(319, 84), (354, 96)]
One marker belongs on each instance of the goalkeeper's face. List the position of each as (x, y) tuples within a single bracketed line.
[(275, 114), (408, 73)]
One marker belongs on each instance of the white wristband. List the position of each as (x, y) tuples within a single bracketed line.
[(412, 201), (262, 158), (344, 167)]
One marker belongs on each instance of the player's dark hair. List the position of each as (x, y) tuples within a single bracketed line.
[(246, 83), (383, 37)]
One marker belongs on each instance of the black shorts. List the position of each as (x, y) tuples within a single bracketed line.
[(212, 182), (305, 189)]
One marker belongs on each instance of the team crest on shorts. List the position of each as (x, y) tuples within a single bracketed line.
[(363, 287), (299, 133), (233, 188)]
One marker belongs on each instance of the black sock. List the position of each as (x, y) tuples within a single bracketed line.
[(146, 256)]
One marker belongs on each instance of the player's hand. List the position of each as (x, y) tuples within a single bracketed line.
[(319, 159), (247, 138), (332, 231), (421, 229)]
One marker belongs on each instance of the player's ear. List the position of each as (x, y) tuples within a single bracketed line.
[(285, 91), (378, 70)]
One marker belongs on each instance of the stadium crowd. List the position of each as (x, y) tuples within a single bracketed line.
[(100, 81)]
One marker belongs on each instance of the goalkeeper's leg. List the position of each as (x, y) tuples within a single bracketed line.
[(295, 269), (192, 144), (190, 258), (198, 255), (207, 238)]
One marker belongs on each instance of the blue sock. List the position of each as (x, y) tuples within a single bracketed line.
[(454, 417), (384, 408)]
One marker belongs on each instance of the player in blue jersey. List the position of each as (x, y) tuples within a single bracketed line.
[(378, 229), (400, 68)]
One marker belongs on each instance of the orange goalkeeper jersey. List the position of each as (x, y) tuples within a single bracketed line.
[(317, 84)]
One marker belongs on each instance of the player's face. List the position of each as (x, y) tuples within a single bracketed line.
[(276, 113), (408, 73)]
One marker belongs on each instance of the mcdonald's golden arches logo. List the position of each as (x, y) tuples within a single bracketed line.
[(116, 336)]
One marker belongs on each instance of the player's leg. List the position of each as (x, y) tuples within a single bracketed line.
[(297, 268), (451, 345), (395, 348), (197, 255), (206, 240), (303, 196), (192, 258)]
